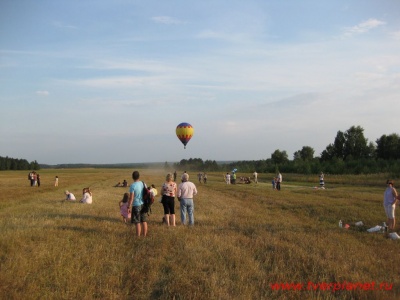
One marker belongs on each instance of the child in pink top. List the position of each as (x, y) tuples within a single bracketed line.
[(124, 207)]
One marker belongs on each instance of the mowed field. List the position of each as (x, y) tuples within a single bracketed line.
[(247, 242)]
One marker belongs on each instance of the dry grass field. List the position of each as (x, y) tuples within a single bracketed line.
[(248, 242)]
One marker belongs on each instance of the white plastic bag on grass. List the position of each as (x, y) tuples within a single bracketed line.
[(394, 236), (377, 228)]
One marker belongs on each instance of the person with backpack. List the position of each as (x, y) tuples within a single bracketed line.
[(186, 191), (136, 205)]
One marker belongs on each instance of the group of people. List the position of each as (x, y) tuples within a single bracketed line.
[(132, 204), (202, 177), (230, 179), (245, 180), (276, 182), (86, 196), (34, 178), (123, 184)]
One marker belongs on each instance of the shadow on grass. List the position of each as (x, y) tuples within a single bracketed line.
[(85, 217), (79, 229)]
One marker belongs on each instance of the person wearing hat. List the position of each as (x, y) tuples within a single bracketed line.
[(389, 203), (186, 191)]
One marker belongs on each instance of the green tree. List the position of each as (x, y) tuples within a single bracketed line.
[(279, 157), (306, 153), (355, 144), (388, 146), (349, 145), (328, 153)]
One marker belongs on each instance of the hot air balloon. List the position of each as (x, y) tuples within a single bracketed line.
[(184, 132)]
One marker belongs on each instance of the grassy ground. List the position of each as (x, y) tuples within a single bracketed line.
[(247, 240)]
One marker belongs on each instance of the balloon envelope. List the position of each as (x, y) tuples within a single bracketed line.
[(184, 132)]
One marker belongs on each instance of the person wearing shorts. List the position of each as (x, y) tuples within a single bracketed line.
[(389, 203), (138, 216)]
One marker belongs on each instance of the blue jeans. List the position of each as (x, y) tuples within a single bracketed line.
[(187, 205)]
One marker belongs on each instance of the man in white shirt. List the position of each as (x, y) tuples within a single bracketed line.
[(255, 176), (278, 181), (228, 178), (186, 191)]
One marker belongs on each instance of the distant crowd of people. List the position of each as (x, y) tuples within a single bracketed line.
[(202, 177), (34, 178), (132, 206), (123, 184)]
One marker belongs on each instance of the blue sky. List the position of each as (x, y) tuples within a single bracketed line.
[(109, 81)]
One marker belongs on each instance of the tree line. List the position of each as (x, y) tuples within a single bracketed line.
[(8, 163), (349, 153)]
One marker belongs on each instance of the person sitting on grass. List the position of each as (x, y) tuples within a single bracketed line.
[(87, 196), (69, 196)]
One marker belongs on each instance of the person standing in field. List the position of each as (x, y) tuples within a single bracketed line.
[(34, 178), (228, 178), (278, 181), (124, 208), (38, 179), (186, 191), (168, 192), (255, 177), (30, 178), (184, 173), (153, 190), (138, 217), (321, 181), (389, 203), (56, 181), (175, 176)]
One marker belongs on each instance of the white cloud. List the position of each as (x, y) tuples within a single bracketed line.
[(363, 27), (42, 93), (166, 20)]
